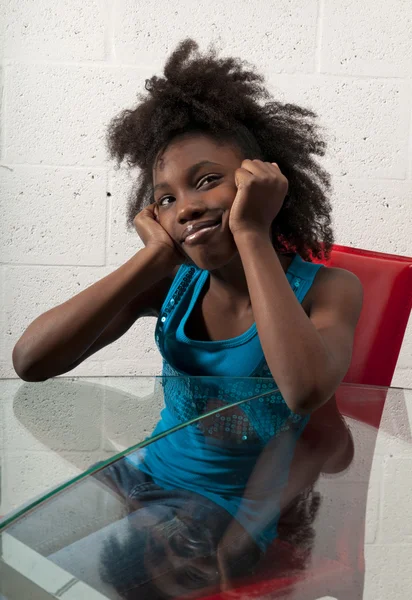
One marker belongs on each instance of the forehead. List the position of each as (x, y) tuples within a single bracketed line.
[(190, 149)]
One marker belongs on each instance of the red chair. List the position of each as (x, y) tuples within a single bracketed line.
[(387, 284)]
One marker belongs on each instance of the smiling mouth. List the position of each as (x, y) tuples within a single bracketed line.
[(195, 234)]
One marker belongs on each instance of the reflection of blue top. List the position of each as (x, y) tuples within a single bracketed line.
[(216, 457)]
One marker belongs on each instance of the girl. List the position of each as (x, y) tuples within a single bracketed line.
[(232, 206)]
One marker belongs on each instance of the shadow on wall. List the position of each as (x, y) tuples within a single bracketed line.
[(76, 419)]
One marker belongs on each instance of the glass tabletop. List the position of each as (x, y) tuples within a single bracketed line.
[(110, 489)]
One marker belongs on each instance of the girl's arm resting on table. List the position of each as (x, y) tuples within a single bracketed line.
[(61, 338), (308, 356)]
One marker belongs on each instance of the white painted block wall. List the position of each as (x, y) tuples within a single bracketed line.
[(67, 68)]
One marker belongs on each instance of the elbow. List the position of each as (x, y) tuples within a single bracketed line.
[(20, 362), (303, 409), (307, 395), (25, 366), (305, 404)]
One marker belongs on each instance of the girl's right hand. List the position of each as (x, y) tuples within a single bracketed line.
[(153, 235)]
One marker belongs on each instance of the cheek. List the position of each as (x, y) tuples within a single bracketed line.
[(165, 220), (228, 196)]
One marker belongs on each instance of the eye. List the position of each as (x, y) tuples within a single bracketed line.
[(208, 179), (165, 200)]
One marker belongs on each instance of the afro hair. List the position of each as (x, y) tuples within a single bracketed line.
[(226, 99)]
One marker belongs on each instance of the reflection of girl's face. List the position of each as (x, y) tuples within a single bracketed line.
[(180, 560)]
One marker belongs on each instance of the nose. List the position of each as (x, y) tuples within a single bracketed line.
[(190, 210)]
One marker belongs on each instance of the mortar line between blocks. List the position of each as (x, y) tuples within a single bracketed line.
[(148, 68), (112, 31), (101, 169), (109, 46), (319, 35), (55, 265), (10, 166)]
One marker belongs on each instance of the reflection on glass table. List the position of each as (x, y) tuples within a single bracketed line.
[(241, 499)]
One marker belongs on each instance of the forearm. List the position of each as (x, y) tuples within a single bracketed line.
[(294, 350), (59, 337), (264, 490)]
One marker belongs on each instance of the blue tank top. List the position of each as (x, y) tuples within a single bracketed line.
[(195, 458)]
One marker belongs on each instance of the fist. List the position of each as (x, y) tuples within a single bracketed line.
[(261, 191), (152, 234)]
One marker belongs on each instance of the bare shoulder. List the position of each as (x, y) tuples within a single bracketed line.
[(331, 276), (335, 288)]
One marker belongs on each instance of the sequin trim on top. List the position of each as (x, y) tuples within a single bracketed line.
[(188, 397), (172, 303), (267, 415)]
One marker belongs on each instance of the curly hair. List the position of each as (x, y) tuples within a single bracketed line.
[(224, 98)]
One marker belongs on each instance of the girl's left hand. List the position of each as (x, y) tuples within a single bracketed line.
[(261, 192)]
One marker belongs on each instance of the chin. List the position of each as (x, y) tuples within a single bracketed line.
[(210, 260)]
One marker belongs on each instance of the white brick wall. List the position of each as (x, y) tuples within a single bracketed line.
[(67, 68)]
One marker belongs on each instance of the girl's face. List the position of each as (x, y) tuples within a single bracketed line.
[(194, 189)]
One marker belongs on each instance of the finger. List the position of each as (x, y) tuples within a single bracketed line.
[(254, 166), (276, 167), (270, 168), (149, 212), (156, 212), (243, 177), (259, 167), (264, 167)]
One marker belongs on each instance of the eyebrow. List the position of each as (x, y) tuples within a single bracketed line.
[(191, 172)]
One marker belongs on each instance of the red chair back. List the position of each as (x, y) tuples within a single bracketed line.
[(387, 303)]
